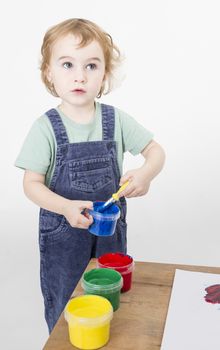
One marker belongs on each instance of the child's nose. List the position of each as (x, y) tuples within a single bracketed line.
[(80, 76)]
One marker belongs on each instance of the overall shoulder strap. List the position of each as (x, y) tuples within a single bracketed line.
[(58, 127), (108, 122)]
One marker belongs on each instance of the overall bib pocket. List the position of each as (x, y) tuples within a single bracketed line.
[(90, 175)]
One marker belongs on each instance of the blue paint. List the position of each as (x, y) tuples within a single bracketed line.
[(105, 206), (104, 223)]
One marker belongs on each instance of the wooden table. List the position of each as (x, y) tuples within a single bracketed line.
[(139, 322)]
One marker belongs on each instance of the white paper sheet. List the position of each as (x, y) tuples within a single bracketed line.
[(192, 323)]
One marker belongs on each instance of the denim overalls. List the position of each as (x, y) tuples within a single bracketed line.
[(83, 171)]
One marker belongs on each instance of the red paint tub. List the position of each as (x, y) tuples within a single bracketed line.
[(120, 262)]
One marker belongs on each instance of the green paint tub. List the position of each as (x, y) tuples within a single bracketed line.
[(104, 282)]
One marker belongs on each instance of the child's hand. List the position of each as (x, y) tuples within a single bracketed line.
[(140, 179), (73, 213), (138, 183)]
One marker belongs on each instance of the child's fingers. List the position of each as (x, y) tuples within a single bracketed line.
[(89, 218), (87, 205), (126, 177), (84, 209), (85, 213), (85, 221), (127, 191), (132, 194)]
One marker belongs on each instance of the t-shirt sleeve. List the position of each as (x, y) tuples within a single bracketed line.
[(135, 136), (35, 154)]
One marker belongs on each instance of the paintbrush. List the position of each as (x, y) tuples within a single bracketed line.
[(113, 198)]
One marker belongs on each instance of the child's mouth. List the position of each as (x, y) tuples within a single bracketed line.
[(79, 91)]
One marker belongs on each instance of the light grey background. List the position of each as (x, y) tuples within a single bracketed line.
[(171, 85)]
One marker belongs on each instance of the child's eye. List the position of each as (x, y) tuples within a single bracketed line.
[(91, 66), (67, 65)]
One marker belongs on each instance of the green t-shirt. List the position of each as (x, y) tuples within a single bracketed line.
[(38, 152)]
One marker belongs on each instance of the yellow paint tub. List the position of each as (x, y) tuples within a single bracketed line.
[(88, 318)]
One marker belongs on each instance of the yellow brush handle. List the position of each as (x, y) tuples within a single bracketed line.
[(115, 195)]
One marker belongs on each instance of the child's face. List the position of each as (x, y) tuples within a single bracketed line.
[(77, 73)]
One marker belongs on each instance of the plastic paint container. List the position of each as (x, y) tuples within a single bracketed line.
[(104, 223), (104, 282), (88, 318), (120, 262)]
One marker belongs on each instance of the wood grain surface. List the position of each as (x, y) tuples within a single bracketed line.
[(139, 322)]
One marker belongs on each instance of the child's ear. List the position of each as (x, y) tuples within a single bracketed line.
[(48, 74)]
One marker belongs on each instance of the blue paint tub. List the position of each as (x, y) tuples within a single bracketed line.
[(104, 223)]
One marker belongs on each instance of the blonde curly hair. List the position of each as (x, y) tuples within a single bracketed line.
[(87, 31)]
